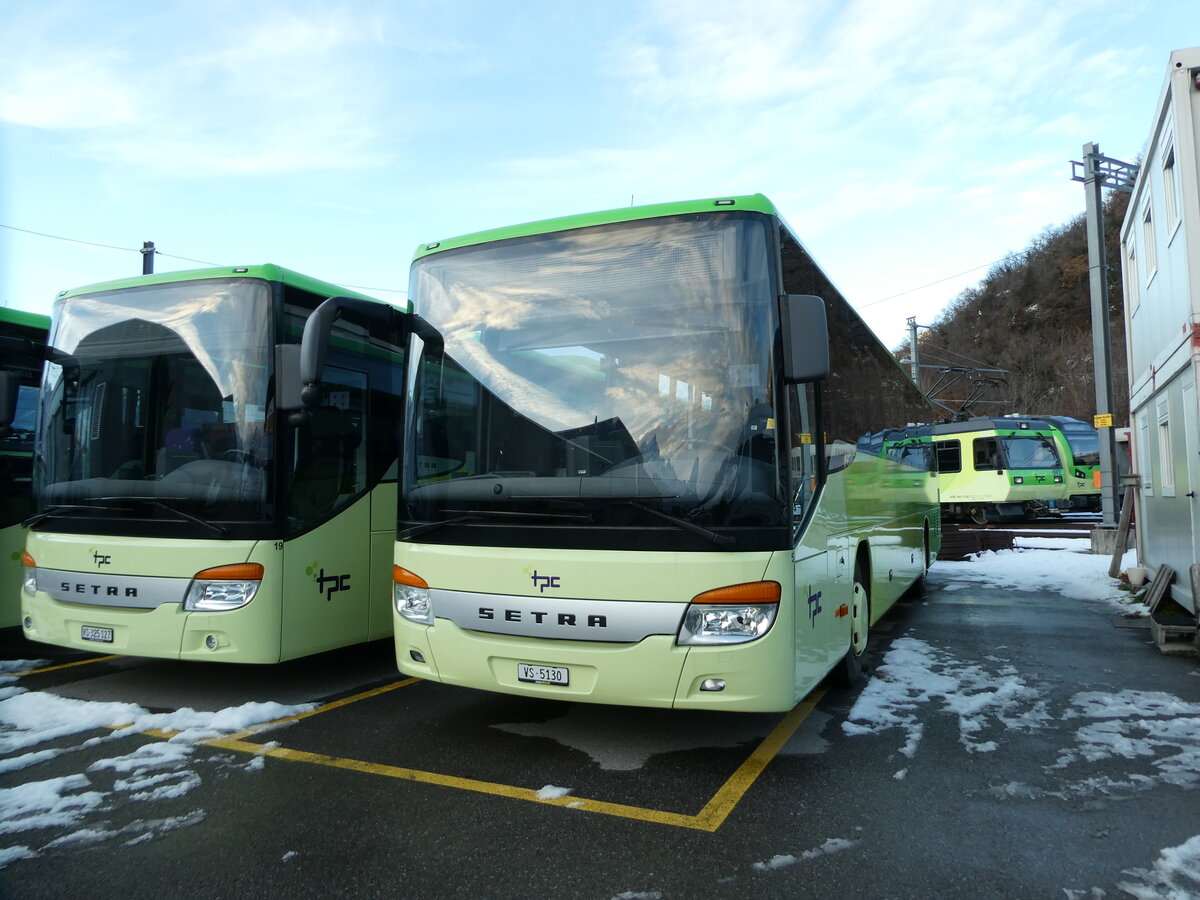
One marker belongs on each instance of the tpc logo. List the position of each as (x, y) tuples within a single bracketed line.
[(541, 582), (814, 608), (101, 559), (328, 584)]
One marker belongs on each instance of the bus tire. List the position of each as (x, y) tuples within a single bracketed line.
[(849, 672)]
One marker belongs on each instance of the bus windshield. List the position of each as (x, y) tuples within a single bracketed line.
[(617, 376), (159, 396)]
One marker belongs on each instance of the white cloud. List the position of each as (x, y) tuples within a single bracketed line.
[(279, 93)]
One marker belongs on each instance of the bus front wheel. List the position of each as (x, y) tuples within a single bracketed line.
[(849, 672)]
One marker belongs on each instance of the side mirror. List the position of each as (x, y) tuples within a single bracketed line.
[(317, 329), (805, 339), (10, 385)]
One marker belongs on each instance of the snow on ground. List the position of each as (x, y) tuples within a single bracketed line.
[(77, 807), (1175, 875), (1076, 576), (1155, 735), (783, 860)]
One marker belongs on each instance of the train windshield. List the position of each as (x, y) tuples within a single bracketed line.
[(1030, 452), (1085, 443), (156, 403), (614, 378)]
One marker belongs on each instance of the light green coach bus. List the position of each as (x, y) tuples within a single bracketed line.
[(22, 339), (653, 458), (188, 507)]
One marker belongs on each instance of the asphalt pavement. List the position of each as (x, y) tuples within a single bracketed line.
[(1010, 744)]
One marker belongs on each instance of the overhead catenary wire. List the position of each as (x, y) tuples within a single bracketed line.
[(1007, 258)]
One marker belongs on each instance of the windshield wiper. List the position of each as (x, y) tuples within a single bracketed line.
[(721, 540), (219, 530), (473, 515), (51, 511)]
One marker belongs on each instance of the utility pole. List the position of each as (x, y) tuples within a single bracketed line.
[(147, 257), (912, 350), (1100, 172)]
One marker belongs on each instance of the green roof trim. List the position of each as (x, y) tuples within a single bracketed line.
[(749, 202), (24, 319), (266, 272)]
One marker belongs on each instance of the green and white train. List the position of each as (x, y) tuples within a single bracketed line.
[(182, 511), (999, 468)]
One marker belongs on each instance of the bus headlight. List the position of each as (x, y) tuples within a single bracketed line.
[(410, 594), (29, 581), (223, 588), (731, 615)]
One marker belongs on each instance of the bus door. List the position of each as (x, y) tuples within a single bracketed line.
[(819, 629), (326, 598), (341, 491)]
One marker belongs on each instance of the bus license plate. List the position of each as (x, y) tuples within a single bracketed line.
[(95, 633), (543, 674)]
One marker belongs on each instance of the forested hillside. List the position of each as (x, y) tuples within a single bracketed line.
[(1031, 315)]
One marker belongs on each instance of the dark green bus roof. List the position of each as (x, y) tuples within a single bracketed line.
[(266, 272), (752, 202), (24, 319)]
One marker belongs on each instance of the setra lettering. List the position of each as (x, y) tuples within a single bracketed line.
[(97, 590), (539, 617)]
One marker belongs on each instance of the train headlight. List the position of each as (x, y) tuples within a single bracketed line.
[(223, 588), (29, 581), (1058, 479), (1017, 479), (410, 594), (731, 615)]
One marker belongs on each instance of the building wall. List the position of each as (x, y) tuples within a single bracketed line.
[(1160, 245)]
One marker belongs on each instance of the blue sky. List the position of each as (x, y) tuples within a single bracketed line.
[(909, 143)]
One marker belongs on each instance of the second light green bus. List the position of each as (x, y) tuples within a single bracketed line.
[(22, 339), (188, 507), (654, 458)]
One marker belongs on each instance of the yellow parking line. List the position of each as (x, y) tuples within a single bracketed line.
[(724, 800), (78, 662), (710, 818), (323, 708), (453, 781)]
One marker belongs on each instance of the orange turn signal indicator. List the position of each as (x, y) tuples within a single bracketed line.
[(27, 560), (750, 592), (233, 572), (401, 575), (842, 611)]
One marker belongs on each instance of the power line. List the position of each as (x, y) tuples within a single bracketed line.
[(941, 280), (203, 262), (72, 240)]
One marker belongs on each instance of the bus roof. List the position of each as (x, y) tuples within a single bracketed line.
[(752, 202), (24, 319), (267, 272)]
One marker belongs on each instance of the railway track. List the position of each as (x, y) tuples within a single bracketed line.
[(960, 539)]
